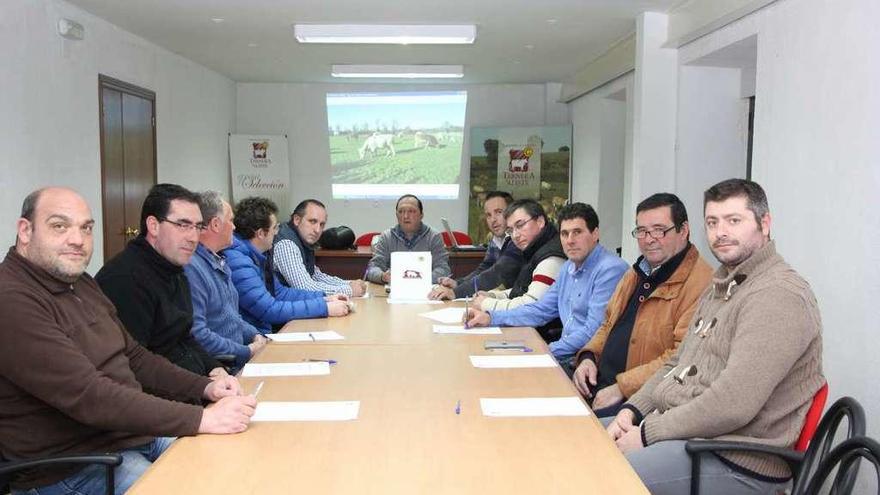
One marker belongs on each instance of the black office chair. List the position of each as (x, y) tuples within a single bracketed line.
[(802, 464), (109, 461), (845, 458)]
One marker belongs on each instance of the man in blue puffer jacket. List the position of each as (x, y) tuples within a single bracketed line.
[(262, 300)]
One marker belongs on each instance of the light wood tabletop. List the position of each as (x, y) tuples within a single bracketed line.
[(408, 437)]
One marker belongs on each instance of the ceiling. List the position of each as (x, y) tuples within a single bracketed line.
[(518, 41)]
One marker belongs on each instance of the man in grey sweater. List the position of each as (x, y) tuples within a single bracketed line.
[(410, 234), (747, 369)]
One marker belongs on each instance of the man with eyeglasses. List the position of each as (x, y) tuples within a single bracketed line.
[(746, 371), (501, 264), (578, 298), (650, 310), (262, 299), (147, 284), (538, 240)]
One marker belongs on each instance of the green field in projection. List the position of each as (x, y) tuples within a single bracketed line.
[(408, 159)]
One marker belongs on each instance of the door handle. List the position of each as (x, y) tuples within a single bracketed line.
[(130, 232)]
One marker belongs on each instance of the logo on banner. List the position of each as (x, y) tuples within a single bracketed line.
[(519, 159), (259, 153)]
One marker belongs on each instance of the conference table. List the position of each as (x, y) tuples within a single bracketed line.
[(419, 429)]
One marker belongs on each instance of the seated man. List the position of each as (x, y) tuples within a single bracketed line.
[(501, 264), (747, 369), (294, 253), (543, 257), (650, 310), (71, 378), (578, 298), (146, 281), (262, 300), (217, 325), (410, 234)]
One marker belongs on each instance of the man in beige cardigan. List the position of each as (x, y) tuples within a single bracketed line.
[(747, 369)]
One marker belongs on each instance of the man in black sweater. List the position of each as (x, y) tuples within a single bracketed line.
[(147, 284)]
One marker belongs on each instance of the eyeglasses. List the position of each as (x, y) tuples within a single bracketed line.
[(657, 233), (185, 226), (518, 226)]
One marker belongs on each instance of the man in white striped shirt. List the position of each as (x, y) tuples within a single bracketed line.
[(293, 254)]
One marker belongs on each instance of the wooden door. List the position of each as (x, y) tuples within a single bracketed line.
[(128, 158)]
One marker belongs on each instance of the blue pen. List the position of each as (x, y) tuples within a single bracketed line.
[(328, 361)]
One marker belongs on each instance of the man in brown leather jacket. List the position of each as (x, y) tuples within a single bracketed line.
[(648, 314)]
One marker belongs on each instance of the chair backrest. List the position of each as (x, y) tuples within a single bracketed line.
[(365, 239), (811, 422), (845, 458), (824, 438), (460, 237)]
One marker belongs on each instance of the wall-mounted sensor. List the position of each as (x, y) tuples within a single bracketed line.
[(71, 30)]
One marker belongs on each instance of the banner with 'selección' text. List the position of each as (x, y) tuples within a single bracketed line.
[(259, 167)]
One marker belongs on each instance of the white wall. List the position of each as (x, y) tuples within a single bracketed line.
[(49, 126), (299, 111), (600, 121), (817, 146), (711, 137)]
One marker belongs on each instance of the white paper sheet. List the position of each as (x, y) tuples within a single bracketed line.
[(286, 369), (514, 361), (304, 336), (412, 301), (459, 329), (307, 411), (534, 406), (445, 315)]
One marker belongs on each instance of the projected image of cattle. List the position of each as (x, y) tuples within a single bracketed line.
[(401, 138), (395, 158)]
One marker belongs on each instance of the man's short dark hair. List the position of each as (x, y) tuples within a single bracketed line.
[(29, 205), (579, 210), (530, 206), (500, 194), (659, 200), (158, 201), (300, 209), (253, 214), (756, 198), (413, 196)]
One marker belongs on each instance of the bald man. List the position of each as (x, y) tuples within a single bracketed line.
[(72, 379)]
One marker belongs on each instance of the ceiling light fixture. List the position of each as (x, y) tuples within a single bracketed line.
[(398, 71), (407, 34)]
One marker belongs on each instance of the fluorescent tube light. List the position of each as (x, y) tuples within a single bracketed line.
[(399, 71), (405, 34)]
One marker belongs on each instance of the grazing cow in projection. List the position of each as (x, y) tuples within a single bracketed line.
[(423, 140), (449, 137), (377, 142)]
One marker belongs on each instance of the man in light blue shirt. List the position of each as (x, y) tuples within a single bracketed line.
[(579, 295), (217, 325)]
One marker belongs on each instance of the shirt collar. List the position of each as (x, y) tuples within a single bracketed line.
[(588, 263), (216, 260), (399, 232), (38, 273)]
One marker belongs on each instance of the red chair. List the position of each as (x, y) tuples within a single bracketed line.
[(460, 237), (365, 239), (813, 444), (814, 414)]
